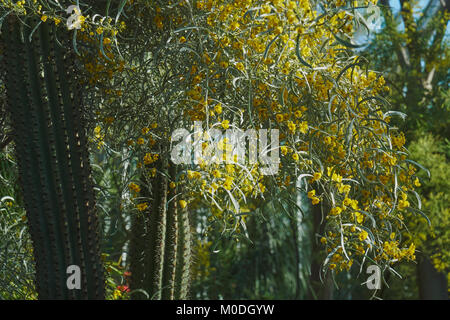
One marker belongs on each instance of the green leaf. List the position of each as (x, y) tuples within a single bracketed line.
[(121, 6), (297, 51), (266, 52)]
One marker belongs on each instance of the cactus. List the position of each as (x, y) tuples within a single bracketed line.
[(45, 106), (183, 257), (160, 266)]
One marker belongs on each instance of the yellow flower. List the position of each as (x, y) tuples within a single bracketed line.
[(343, 188), (240, 66), (402, 204), (225, 124), (262, 187), (291, 126), (363, 235), (234, 25), (228, 184), (336, 177), (279, 117), (117, 294), (142, 206), (335, 211), (417, 182), (149, 158), (317, 176), (140, 141), (298, 114), (347, 202), (329, 169), (359, 217), (172, 185), (311, 194), (134, 187), (295, 156), (182, 203), (218, 108), (182, 40), (303, 127), (44, 18)]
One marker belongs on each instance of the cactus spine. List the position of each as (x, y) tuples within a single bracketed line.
[(45, 105), (161, 266)]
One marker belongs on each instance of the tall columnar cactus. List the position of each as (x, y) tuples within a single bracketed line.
[(161, 264), (45, 105)]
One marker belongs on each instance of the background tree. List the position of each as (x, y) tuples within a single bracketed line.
[(413, 51)]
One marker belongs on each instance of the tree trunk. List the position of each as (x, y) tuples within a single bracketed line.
[(432, 284)]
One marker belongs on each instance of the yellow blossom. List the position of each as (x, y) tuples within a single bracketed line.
[(363, 235), (142, 206), (225, 124), (335, 211), (182, 204)]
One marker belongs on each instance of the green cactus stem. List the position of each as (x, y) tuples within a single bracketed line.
[(45, 105), (161, 267)]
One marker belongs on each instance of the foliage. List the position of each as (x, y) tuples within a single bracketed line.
[(434, 241), (150, 67), (418, 72), (272, 263), (413, 51), (16, 267)]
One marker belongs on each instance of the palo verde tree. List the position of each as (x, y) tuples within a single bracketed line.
[(270, 65)]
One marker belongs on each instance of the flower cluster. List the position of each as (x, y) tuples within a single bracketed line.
[(259, 64)]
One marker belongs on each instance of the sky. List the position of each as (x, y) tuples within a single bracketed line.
[(396, 7), (361, 37)]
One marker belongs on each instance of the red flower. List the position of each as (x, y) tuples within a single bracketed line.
[(123, 288)]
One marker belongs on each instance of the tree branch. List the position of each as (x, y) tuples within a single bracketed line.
[(400, 51)]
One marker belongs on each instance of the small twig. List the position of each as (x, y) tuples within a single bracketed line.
[(4, 143)]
